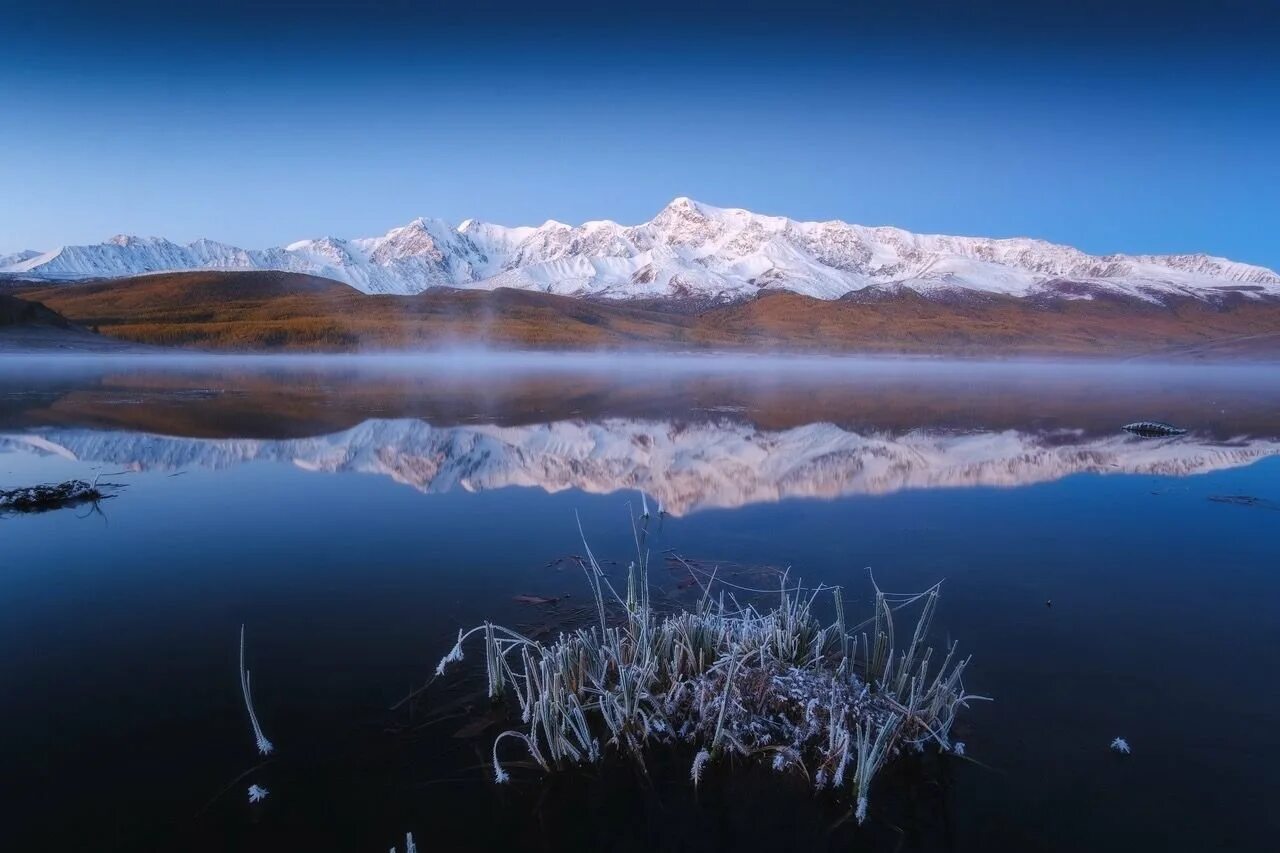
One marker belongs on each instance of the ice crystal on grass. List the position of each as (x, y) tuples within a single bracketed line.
[(1121, 746), (257, 794), (455, 655), (699, 761), (265, 746), (778, 684)]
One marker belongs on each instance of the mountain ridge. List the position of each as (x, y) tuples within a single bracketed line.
[(688, 250)]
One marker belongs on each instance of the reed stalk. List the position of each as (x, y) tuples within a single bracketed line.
[(778, 684)]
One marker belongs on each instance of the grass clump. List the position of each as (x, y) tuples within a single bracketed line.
[(825, 700)]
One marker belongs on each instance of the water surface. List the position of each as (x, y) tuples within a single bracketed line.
[(353, 514)]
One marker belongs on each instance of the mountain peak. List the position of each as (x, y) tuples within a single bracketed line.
[(683, 205), (418, 223), (689, 249)]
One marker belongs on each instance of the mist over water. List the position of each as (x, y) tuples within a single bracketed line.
[(354, 512)]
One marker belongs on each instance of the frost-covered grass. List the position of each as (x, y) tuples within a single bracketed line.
[(829, 702), (265, 746)]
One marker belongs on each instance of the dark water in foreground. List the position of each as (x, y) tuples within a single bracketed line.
[(355, 517)]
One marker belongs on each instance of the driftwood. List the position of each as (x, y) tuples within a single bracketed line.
[(50, 496)]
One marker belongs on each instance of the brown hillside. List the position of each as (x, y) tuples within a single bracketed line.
[(256, 310), (268, 310)]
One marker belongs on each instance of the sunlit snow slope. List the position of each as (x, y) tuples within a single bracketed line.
[(689, 249)]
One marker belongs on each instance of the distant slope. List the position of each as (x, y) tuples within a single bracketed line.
[(993, 324), (285, 311), (27, 325), (689, 251), (252, 310)]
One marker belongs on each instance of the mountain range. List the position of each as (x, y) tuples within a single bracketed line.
[(688, 250)]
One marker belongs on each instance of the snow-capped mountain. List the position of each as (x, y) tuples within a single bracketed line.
[(689, 249), (687, 467)]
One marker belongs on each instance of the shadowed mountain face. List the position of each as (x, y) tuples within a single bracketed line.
[(284, 311), (25, 312), (27, 325)]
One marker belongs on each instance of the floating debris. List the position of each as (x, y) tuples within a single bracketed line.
[(1152, 429), (1121, 746), (257, 794), (538, 599), (778, 685), (1245, 500), (50, 496)]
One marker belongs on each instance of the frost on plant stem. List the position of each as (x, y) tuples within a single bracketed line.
[(1121, 746), (409, 846), (455, 655), (777, 684), (257, 794), (958, 748), (265, 746), (699, 761)]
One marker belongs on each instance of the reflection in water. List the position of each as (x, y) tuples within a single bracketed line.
[(291, 398), (687, 466), (352, 588)]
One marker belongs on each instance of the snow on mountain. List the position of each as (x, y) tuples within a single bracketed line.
[(688, 249), (17, 258), (688, 467)]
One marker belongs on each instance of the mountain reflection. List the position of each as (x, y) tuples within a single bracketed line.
[(688, 466)]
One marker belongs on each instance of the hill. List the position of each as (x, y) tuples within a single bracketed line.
[(289, 311)]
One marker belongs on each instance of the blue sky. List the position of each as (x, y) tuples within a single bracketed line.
[(1124, 126)]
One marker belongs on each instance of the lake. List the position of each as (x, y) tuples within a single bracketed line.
[(354, 513)]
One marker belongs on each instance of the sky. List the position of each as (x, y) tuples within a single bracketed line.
[(1128, 125)]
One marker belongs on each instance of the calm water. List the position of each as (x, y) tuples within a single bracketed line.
[(355, 514)]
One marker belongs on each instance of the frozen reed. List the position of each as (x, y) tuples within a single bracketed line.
[(264, 746), (827, 701)]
